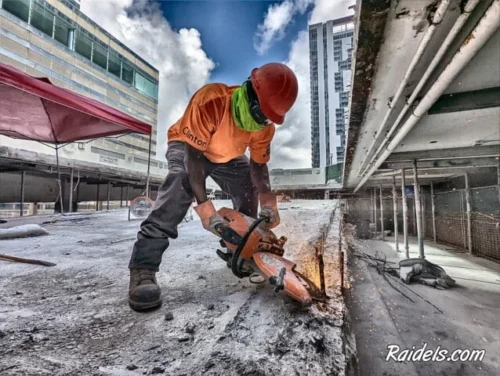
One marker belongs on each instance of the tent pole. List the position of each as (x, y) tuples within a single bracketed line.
[(149, 164), (59, 179)]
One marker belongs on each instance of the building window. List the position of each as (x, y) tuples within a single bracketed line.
[(107, 153), (144, 85), (114, 65), (145, 162), (42, 19), (64, 33), (127, 73), (100, 55), (83, 45), (20, 8)]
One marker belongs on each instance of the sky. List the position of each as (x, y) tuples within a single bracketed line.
[(192, 43)]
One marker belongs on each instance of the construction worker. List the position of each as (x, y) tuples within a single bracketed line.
[(210, 139)]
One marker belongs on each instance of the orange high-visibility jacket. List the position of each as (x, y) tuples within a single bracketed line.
[(208, 125)]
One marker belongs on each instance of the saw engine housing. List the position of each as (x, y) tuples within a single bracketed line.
[(250, 245)]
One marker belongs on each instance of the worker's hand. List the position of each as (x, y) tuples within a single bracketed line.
[(210, 219), (269, 210)]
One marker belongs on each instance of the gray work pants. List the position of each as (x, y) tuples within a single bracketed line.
[(175, 197)]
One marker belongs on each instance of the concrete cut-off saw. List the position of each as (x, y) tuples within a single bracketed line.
[(253, 251)]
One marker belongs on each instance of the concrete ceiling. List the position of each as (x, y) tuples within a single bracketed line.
[(470, 120)]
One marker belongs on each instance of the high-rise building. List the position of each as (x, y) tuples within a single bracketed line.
[(330, 47), (54, 39)]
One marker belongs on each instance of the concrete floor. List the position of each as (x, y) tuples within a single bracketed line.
[(73, 318), (469, 317)]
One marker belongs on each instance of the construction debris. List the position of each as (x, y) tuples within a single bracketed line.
[(25, 260), (22, 231)]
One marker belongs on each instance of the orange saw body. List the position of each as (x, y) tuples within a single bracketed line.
[(250, 246)]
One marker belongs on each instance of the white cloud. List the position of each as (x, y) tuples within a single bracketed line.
[(277, 18), (292, 143), (184, 67)]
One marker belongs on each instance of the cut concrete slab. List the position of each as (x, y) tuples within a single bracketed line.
[(74, 319), (462, 317)]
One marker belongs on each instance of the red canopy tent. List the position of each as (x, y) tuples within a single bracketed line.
[(34, 109)]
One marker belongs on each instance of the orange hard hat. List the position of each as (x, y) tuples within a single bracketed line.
[(276, 87)]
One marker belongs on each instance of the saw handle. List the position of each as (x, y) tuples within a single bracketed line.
[(236, 256)]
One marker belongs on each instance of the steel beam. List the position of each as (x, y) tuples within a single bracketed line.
[(433, 205), (405, 215), (381, 213), (469, 212), (395, 209), (418, 211)]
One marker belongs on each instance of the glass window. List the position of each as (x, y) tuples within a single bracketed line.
[(63, 32), (20, 8), (42, 19), (140, 82), (114, 64), (127, 73), (145, 85), (83, 45), (100, 55)]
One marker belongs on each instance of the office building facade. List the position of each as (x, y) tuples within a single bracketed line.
[(54, 39), (330, 48)]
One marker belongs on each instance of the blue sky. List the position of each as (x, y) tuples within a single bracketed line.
[(227, 31)]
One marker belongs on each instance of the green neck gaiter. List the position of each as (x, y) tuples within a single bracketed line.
[(240, 109)]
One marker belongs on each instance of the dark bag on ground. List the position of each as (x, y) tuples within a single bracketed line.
[(425, 272)]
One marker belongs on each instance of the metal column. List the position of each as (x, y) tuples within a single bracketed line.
[(418, 211), (126, 197), (149, 166), (71, 191), (381, 213), (21, 211), (469, 215), (433, 205), (108, 194), (375, 208), (395, 209), (97, 199), (405, 214), (121, 197)]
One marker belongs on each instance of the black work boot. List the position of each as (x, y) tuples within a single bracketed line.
[(144, 292)]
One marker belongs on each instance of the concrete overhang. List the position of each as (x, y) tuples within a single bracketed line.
[(404, 62)]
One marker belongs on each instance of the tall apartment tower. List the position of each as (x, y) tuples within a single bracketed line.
[(330, 48)]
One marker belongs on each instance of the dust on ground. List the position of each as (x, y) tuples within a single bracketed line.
[(74, 319)]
